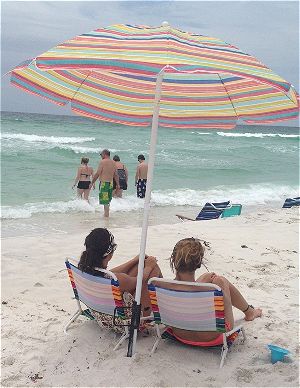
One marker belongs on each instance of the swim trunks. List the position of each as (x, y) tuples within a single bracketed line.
[(105, 193), (83, 185), (141, 188), (122, 179)]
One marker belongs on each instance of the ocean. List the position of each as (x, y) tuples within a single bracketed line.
[(253, 165)]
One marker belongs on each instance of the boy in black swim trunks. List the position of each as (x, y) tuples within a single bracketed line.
[(141, 177)]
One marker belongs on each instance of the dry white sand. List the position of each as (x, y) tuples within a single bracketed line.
[(36, 303)]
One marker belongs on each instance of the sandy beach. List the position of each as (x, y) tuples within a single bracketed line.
[(37, 302)]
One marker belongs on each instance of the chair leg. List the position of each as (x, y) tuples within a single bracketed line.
[(122, 339), (223, 356), (75, 316), (244, 334), (157, 340)]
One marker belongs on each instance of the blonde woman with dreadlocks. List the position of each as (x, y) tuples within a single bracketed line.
[(186, 257), (99, 250)]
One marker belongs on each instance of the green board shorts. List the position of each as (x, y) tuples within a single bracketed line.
[(105, 193)]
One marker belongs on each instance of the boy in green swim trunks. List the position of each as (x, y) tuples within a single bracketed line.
[(107, 172)]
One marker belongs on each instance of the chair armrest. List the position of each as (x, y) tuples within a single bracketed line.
[(220, 208), (234, 330)]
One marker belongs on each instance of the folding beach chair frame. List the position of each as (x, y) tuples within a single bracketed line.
[(225, 347), (230, 204), (290, 202), (80, 311)]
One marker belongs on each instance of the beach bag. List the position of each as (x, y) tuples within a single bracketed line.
[(122, 179)]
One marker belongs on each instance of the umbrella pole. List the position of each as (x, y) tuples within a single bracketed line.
[(136, 308)]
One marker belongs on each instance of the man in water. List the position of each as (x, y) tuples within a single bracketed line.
[(107, 172), (141, 177)]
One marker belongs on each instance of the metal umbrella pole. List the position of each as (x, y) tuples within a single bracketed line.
[(136, 308)]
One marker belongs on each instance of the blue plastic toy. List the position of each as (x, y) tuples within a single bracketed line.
[(277, 353)]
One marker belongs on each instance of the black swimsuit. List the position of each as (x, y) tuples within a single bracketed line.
[(84, 185)]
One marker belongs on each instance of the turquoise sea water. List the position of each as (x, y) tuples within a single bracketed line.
[(254, 165)]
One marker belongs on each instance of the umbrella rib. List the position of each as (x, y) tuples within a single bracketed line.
[(76, 91), (228, 95)]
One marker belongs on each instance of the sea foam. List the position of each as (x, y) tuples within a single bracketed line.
[(46, 139), (258, 135), (248, 195)]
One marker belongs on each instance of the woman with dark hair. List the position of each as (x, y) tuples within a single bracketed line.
[(186, 257), (83, 179), (99, 249)]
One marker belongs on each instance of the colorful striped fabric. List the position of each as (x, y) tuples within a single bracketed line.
[(98, 293), (188, 310), (110, 73)]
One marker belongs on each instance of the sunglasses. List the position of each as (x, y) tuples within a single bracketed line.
[(112, 245)]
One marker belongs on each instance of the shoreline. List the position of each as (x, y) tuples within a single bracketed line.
[(38, 296), (45, 223)]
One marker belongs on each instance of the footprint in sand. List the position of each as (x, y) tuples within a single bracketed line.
[(50, 326), (10, 360), (244, 375)]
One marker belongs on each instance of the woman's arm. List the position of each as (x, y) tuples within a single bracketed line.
[(128, 283), (77, 178), (126, 267), (92, 175)]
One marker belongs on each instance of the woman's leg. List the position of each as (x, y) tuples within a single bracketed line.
[(119, 193), (145, 299), (79, 193), (224, 284), (233, 294), (86, 194), (240, 303)]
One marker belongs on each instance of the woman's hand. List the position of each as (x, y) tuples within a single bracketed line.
[(150, 261), (208, 277)]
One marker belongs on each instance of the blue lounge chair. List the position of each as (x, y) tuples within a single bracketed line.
[(215, 210), (290, 202)]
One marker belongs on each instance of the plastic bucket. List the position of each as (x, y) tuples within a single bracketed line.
[(277, 353)]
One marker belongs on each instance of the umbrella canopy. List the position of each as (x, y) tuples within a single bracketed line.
[(115, 74), (110, 74)]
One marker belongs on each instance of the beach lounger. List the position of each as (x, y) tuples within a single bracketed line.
[(200, 309), (290, 202), (97, 293), (215, 210)]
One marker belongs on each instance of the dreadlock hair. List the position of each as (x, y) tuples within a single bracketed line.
[(187, 255), (97, 243)]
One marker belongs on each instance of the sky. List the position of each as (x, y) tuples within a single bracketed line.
[(268, 30)]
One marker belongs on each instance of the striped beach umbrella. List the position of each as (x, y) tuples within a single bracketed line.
[(138, 75), (110, 74)]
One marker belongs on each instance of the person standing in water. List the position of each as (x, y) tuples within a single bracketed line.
[(106, 172), (83, 179), (123, 177), (141, 177)]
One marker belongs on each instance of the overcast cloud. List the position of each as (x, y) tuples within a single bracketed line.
[(268, 30)]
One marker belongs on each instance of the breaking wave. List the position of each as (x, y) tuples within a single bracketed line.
[(259, 135), (248, 195)]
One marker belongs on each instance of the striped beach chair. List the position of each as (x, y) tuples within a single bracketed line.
[(101, 294), (199, 309), (290, 202), (211, 211)]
